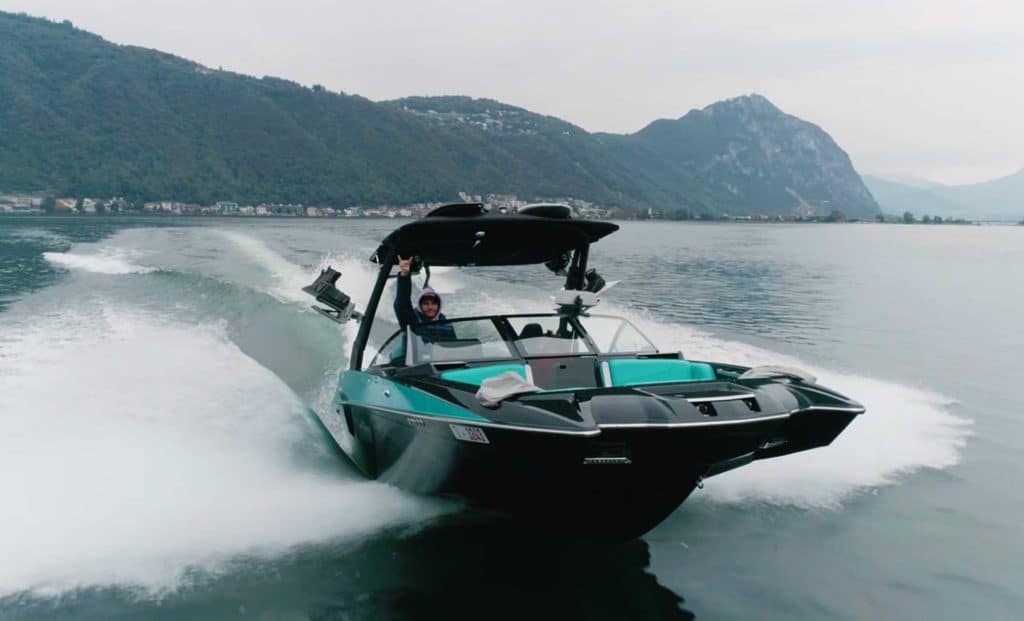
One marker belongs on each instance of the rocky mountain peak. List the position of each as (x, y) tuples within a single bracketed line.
[(752, 104), (748, 156)]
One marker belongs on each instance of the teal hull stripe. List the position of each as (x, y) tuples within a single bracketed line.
[(373, 390)]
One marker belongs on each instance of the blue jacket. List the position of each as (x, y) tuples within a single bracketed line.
[(429, 330)]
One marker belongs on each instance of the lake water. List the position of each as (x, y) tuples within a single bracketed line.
[(156, 379)]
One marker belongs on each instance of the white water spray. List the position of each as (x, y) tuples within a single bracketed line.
[(112, 261), (903, 430), (135, 448)]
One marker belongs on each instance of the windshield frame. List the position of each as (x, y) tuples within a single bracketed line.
[(624, 322)]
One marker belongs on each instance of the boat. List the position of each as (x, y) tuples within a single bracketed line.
[(572, 419)]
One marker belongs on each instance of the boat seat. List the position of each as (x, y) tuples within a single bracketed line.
[(638, 371), (477, 375), (531, 330)]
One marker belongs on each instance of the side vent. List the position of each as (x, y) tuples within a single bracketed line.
[(706, 409)]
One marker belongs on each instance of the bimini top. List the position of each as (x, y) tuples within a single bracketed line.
[(464, 234)]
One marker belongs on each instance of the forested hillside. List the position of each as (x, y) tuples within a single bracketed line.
[(81, 116)]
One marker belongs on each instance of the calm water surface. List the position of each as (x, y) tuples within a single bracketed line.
[(157, 377)]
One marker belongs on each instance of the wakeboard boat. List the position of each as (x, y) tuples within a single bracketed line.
[(569, 418)]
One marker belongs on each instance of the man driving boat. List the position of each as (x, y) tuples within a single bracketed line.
[(427, 320)]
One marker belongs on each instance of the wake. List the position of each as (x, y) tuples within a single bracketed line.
[(135, 449)]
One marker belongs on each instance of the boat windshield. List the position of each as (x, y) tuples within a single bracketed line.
[(458, 340), (615, 335), (511, 337), (548, 335)]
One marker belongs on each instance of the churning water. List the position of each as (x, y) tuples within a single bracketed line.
[(157, 379)]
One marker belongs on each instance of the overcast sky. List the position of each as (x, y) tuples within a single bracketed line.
[(925, 88)]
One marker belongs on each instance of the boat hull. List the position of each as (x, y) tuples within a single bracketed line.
[(613, 484)]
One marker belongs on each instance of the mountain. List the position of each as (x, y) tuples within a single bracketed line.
[(744, 155), (896, 197), (999, 199), (84, 117), (911, 180)]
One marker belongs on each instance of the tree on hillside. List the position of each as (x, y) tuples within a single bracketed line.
[(908, 218)]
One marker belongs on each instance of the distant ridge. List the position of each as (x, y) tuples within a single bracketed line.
[(999, 199), (896, 198), (1003, 197), (81, 116)]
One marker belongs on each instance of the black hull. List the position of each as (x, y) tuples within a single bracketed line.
[(612, 486)]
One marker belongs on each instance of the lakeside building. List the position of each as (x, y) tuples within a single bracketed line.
[(280, 209), (21, 203), (503, 203), (171, 207)]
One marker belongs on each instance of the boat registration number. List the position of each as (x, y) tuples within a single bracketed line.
[(469, 434)]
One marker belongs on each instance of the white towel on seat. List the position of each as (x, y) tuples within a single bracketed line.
[(494, 390)]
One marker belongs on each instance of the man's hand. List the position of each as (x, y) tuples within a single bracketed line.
[(404, 266)]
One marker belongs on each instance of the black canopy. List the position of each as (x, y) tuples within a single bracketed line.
[(494, 239)]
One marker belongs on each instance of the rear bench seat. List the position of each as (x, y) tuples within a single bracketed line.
[(637, 371)]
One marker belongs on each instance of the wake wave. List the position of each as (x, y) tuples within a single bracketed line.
[(35, 234), (289, 278), (904, 429), (112, 262), (135, 449)]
